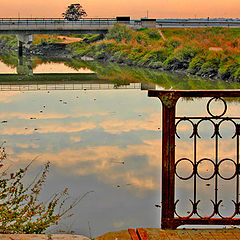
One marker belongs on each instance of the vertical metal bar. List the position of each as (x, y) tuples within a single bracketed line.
[(237, 183), (168, 165), (216, 175), (195, 174)]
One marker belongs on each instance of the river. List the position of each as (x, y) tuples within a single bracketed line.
[(101, 133)]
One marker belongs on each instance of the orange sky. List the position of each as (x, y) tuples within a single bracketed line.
[(133, 8)]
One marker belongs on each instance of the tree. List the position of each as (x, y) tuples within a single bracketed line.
[(74, 12)]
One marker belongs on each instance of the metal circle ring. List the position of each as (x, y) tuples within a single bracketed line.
[(224, 110), (214, 171), (230, 160), (180, 160)]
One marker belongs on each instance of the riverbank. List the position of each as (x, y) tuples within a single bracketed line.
[(205, 52)]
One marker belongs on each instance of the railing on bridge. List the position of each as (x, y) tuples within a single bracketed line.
[(66, 86), (170, 217), (62, 21)]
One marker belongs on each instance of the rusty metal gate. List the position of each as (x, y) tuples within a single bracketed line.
[(170, 219)]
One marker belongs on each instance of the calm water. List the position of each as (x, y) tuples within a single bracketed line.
[(107, 141)]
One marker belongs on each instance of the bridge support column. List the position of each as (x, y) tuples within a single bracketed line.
[(20, 48), (24, 39)]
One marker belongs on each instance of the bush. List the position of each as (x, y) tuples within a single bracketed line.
[(155, 55), (237, 74), (210, 67), (20, 209), (196, 64), (153, 33), (120, 33), (172, 43), (228, 68)]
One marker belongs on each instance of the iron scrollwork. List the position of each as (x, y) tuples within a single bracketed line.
[(216, 120)]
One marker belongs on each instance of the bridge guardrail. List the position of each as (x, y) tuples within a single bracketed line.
[(170, 218)]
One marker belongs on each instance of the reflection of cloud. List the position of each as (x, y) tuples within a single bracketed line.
[(8, 97), (206, 149), (26, 145), (102, 162), (51, 128), (75, 139), (45, 116), (117, 126)]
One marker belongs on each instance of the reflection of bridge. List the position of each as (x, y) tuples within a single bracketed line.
[(73, 85)]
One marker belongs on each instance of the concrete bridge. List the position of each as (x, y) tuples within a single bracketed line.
[(24, 28), (96, 25)]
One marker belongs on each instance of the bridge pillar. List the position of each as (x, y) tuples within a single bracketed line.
[(24, 39), (25, 66), (20, 48)]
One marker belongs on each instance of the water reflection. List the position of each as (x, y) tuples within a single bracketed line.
[(105, 141)]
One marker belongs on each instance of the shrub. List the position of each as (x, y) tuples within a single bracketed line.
[(196, 64), (173, 43), (120, 33), (237, 74), (20, 209), (210, 67), (227, 68), (153, 33)]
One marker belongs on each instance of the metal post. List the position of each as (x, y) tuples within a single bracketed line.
[(168, 163)]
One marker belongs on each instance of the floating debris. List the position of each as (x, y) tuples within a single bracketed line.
[(64, 102), (4, 121), (157, 205), (117, 162)]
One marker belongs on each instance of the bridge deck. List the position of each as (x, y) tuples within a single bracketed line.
[(53, 25)]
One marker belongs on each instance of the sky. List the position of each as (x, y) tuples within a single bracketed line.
[(133, 8)]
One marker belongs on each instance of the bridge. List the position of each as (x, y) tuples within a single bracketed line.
[(26, 27), (96, 25)]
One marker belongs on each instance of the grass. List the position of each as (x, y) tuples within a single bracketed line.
[(202, 51)]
